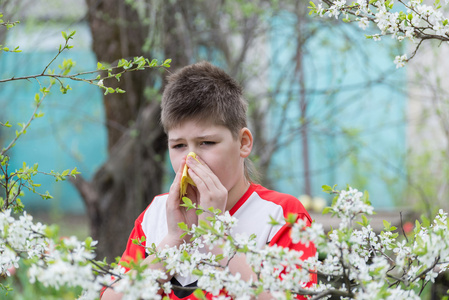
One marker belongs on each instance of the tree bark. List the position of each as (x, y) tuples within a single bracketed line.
[(126, 183)]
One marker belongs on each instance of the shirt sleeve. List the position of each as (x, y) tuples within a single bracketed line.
[(133, 251), (283, 239)]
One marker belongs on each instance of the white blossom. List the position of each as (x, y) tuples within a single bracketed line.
[(363, 22), (360, 253), (400, 61), (413, 20)]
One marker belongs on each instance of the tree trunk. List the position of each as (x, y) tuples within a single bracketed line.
[(124, 186), (131, 177)]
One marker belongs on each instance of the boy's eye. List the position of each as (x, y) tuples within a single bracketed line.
[(178, 146), (208, 143)]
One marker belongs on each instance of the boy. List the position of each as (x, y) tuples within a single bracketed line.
[(203, 111)]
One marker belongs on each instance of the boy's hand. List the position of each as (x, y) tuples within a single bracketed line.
[(209, 191), (177, 213)]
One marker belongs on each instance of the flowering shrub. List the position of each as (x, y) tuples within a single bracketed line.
[(414, 20), (362, 263), (357, 262)]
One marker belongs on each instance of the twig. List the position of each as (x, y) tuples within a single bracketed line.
[(33, 116), (402, 227)]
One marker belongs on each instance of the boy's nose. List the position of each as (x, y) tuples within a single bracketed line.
[(193, 149)]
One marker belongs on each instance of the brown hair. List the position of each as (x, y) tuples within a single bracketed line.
[(203, 91)]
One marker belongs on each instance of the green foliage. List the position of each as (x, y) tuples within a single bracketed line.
[(198, 293), (18, 287), (8, 26), (15, 182)]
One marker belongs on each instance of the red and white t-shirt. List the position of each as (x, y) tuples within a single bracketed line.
[(253, 212)]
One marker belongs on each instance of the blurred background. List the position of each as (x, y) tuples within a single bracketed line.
[(326, 106)]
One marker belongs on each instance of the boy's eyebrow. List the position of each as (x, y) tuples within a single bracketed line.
[(202, 137), (175, 140), (206, 137)]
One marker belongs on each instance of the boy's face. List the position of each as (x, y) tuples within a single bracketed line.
[(214, 144)]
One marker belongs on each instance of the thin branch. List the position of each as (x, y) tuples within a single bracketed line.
[(416, 49), (61, 49), (427, 270), (402, 227), (33, 116)]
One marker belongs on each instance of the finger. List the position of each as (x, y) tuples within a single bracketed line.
[(202, 178), (208, 194), (203, 171), (177, 179), (208, 187), (202, 164), (175, 186)]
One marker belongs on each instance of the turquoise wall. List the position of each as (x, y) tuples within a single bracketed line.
[(71, 134), (356, 113)]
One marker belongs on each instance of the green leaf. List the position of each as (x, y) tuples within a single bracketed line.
[(259, 289), (326, 210), (74, 172), (153, 63), (156, 260), (167, 63), (187, 203), (88, 241), (109, 90), (47, 196), (197, 272), (52, 231), (417, 226), (365, 198), (291, 218), (183, 226), (122, 62), (365, 221), (198, 293), (219, 257), (39, 115), (273, 221), (327, 189), (64, 35)]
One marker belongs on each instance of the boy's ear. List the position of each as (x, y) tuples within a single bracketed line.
[(246, 142)]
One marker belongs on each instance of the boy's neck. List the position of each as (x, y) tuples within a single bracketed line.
[(236, 193)]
